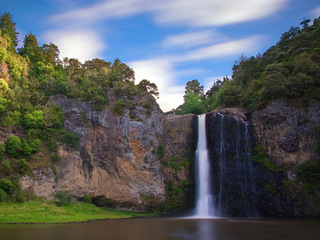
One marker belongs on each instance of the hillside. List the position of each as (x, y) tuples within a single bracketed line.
[(290, 71)]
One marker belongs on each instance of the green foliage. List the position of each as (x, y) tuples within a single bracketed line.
[(3, 195), (35, 145), (55, 158), (31, 49), (261, 157), (87, 198), (13, 145), (175, 162), (6, 167), (290, 70), (192, 104), (34, 120), (2, 151), (309, 174), (118, 107), (70, 138), (8, 28), (64, 198), (4, 87), (23, 167), (84, 117), (3, 55), (7, 185), (160, 151)]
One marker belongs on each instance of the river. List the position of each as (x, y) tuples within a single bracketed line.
[(168, 228)]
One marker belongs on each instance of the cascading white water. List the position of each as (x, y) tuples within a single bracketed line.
[(203, 194)]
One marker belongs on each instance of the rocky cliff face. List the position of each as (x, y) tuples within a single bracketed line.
[(117, 160), (288, 134), (254, 160)]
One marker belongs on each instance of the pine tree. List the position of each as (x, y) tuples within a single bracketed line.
[(8, 27)]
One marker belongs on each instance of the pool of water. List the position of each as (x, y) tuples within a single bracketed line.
[(168, 228)]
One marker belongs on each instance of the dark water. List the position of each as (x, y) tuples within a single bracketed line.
[(169, 228)]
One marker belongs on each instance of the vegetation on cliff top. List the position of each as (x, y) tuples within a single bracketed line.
[(290, 70)]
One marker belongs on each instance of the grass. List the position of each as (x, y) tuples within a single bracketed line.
[(43, 211)]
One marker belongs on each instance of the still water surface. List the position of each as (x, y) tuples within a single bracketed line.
[(168, 228)]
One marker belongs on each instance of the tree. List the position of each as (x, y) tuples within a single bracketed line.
[(305, 23), (31, 48), (194, 87), (8, 27), (147, 86), (50, 53), (192, 104), (120, 72)]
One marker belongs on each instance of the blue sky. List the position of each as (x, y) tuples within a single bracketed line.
[(168, 42)]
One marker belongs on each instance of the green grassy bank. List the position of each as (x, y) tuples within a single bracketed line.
[(43, 211)]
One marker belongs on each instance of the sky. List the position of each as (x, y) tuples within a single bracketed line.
[(168, 42)]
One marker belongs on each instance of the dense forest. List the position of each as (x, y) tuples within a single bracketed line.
[(290, 70), (28, 77)]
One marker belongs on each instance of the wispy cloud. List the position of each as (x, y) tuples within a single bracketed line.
[(192, 39), (221, 50), (214, 12), (182, 12)]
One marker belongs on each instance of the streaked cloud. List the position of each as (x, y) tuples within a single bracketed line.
[(192, 39), (181, 12), (214, 12), (102, 10), (221, 50), (83, 44)]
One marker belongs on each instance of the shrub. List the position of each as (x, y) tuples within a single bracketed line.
[(3, 195), (6, 167), (35, 145), (87, 198), (2, 150), (13, 145), (55, 158), (71, 139), (64, 198), (7, 185), (34, 120), (118, 107), (23, 166)]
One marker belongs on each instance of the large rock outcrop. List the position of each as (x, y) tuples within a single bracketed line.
[(117, 160), (254, 159)]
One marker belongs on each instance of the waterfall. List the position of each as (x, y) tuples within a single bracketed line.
[(225, 174), (203, 193)]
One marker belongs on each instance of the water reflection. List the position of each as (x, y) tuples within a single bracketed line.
[(169, 229)]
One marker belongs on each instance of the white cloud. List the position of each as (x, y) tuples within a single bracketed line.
[(181, 12), (221, 50), (214, 12), (188, 39), (82, 44), (102, 10), (162, 73)]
